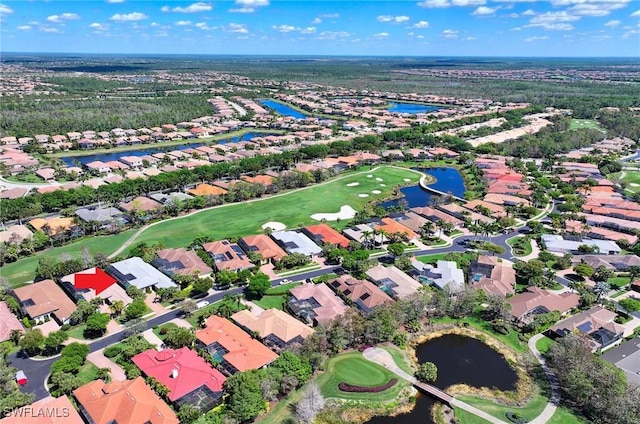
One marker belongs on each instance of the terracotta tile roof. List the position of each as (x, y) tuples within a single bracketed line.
[(53, 223), (273, 322), (326, 234), (391, 226), (244, 352), (130, 401), (264, 245), (142, 203), (46, 297), (364, 293), (207, 190), (49, 410), (263, 180), (15, 234), (8, 322), (181, 370), (534, 297), (329, 305), (397, 281), (227, 255), (182, 262)]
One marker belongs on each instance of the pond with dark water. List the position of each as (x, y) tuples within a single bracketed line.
[(448, 180), (411, 108), (150, 150), (460, 360)]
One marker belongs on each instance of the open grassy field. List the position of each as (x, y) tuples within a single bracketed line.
[(578, 124), (530, 411), (510, 339), (520, 246), (24, 270), (544, 344), (352, 368), (292, 209), (629, 179)]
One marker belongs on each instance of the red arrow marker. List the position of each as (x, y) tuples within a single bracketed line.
[(97, 280)]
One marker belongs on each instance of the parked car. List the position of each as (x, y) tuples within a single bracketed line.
[(21, 378), (285, 281), (202, 304)]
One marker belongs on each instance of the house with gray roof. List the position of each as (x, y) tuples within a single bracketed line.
[(558, 244), (136, 272), (445, 274), (627, 358), (393, 281), (295, 242), (100, 214), (597, 323), (164, 198)]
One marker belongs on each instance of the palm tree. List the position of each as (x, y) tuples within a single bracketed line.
[(116, 307), (104, 374), (427, 228), (367, 237), (601, 288)]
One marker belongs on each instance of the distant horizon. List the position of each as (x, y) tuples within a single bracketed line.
[(422, 28)]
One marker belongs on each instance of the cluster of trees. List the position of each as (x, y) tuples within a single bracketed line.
[(10, 395), (64, 372), (547, 143), (622, 124), (593, 386)]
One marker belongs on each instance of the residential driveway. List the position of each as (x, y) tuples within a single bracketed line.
[(48, 327), (154, 306), (255, 309), (98, 359), (181, 323), (152, 338)]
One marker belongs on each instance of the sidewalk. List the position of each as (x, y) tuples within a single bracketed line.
[(152, 338)]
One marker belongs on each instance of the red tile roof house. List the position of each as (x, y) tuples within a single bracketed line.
[(141, 203), (391, 227), (323, 234), (492, 277), (535, 301), (8, 322), (232, 347), (98, 167), (130, 402), (227, 256), (264, 246), (189, 378), (315, 303), (364, 294), (49, 410), (181, 262), (276, 328)]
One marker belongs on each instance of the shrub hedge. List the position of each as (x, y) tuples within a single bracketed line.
[(359, 389)]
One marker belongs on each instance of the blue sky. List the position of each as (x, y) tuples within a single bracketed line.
[(402, 28)]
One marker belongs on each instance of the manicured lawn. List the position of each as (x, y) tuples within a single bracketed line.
[(431, 259), (564, 416), (282, 410), (520, 246), (618, 282), (352, 368), (544, 344), (77, 332), (283, 289), (577, 124), (268, 302), (168, 326), (292, 209), (465, 417), (399, 358), (294, 271), (631, 179), (530, 411), (209, 310), (24, 270), (87, 372)]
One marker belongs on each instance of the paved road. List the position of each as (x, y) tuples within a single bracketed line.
[(553, 403)]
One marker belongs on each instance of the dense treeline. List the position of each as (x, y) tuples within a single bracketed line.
[(623, 123), (546, 143), (25, 118)]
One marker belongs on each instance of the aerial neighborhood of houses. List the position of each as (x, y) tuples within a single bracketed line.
[(224, 263)]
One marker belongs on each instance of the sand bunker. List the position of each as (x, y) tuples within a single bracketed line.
[(406, 180), (379, 179), (634, 184), (376, 191), (353, 184), (275, 226), (369, 176), (383, 185), (346, 212), (363, 195)]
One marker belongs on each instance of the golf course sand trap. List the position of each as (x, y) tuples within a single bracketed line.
[(346, 212), (353, 184), (363, 195), (275, 226), (379, 179), (634, 184), (376, 191), (406, 180), (369, 176), (383, 185)]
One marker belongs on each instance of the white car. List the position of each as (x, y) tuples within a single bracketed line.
[(285, 281), (202, 304)]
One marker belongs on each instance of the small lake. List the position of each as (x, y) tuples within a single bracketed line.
[(412, 108), (448, 180), (153, 149), (282, 109), (460, 360)]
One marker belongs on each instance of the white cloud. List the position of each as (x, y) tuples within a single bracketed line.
[(316, 21), (98, 26), (332, 35), (470, 38), (528, 12), (596, 9), (243, 10), (381, 35), (237, 28), (536, 38), (421, 24), (284, 28), (192, 8), (248, 6), (389, 18), (5, 10), (50, 30), (129, 17), (308, 30), (58, 19), (450, 33), (420, 36), (483, 10), (434, 3), (468, 2), (183, 23), (449, 3), (115, 1), (24, 27), (554, 21), (612, 23), (635, 14), (516, 29), (330, 15)]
